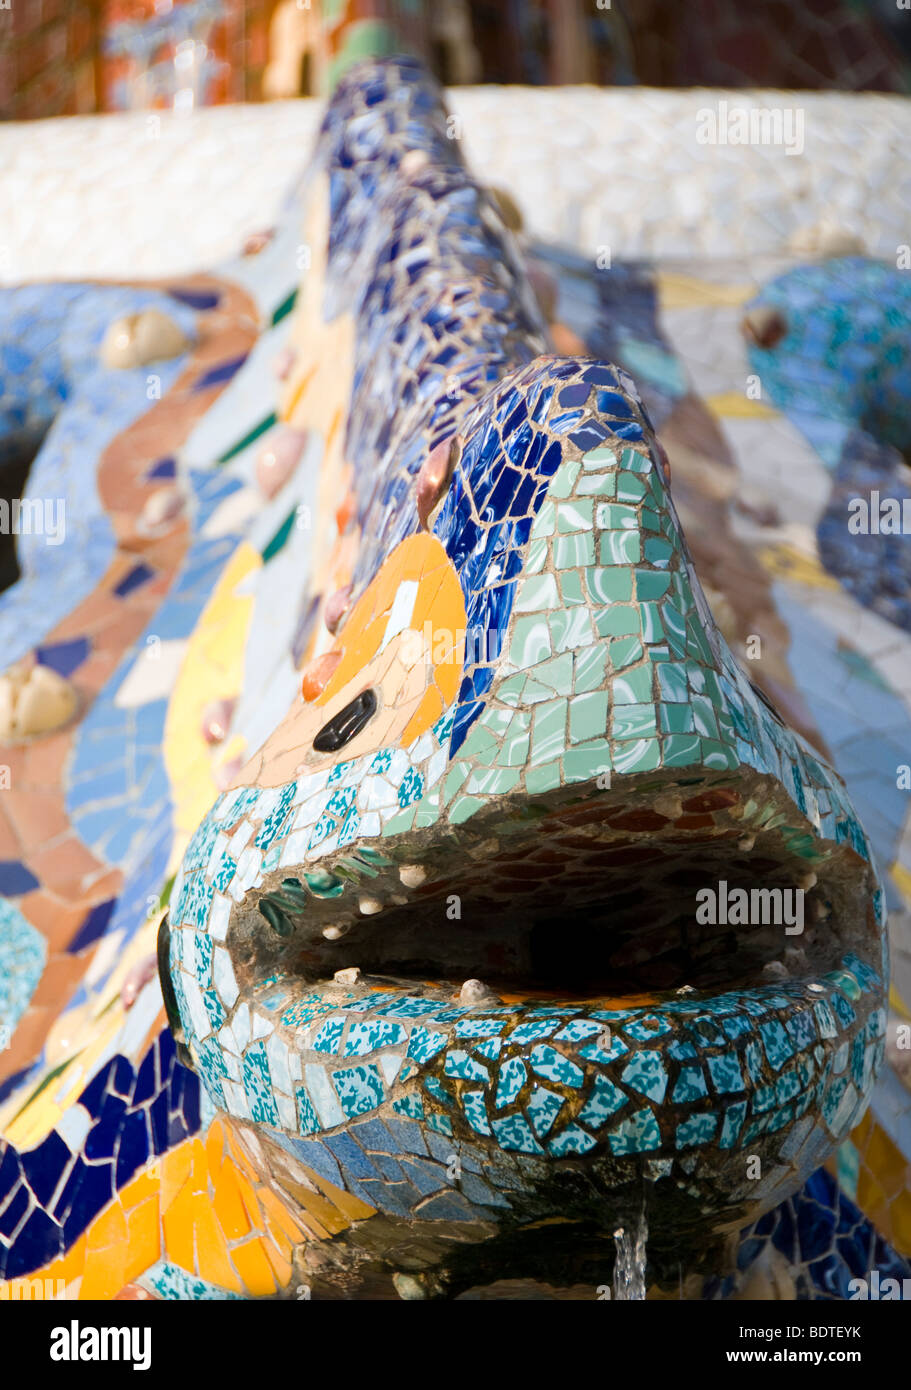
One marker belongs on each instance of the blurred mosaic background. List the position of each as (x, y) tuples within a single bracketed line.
[(63, 57)]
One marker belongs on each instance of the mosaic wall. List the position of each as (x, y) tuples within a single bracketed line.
[(349, 1076), (58, 57)]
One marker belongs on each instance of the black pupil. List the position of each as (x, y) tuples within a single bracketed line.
[(346, 724)]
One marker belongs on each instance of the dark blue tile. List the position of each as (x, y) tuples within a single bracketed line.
[(133, 579), (10, 1083), (16, 879), (94, 1190), (39, 1242), (158, 1120), (64, 657), (94, 926), (217, 375), (44, 1166), (147, 1077), (164, 468), (576, 394), (10, 1171), (132, 1147), (15, 1210), (195, 299)]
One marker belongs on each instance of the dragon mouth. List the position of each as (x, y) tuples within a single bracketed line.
[(650, 981), (614, 898)]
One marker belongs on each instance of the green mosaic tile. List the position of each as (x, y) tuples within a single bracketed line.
[(698, 645), (675, 719), (695, 675), (481, 743), (496, 720), (548, 732), (621, 548), (675, 628), (574, 550), (577, 515), (609, 585), (657, 487), (633, 687), (546, 520), (590, 668), (464, 807), (639, 755), (570, 628), (599, 484), (519, 724), (510, 690), (587, 761), (612, 517), (454, 779), (602, 457), (718, 755), (571, 587), (657, 551), (515, 750), (537, 592), (536, 556), (588, 716), (625, 651), (535, 692), (712, 688), (630, 488), (619, 620), (633, 721), (679, 750), (542, 779), (672, 683), (652, 584), (492, 781), (635, 462), (704, 716), (652, 627), (555, 675), (565, 480), (529, 642)]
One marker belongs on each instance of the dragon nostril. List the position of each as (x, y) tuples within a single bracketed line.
[(345, 725)]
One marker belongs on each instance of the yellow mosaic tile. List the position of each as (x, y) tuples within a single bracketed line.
[(212, 669), (679, 291)]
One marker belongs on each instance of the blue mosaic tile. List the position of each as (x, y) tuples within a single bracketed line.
[(359, 1089), (645, 1072), (639, 1133)]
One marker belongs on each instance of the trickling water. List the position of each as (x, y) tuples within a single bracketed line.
[(629, 1268)]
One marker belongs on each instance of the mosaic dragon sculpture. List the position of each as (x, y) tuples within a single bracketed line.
[(520, 752), (440, 953)]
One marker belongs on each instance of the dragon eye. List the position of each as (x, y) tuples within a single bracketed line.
[(346, 724)]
